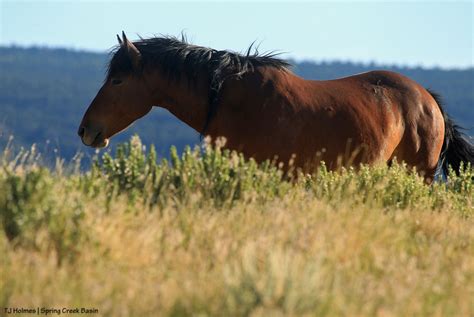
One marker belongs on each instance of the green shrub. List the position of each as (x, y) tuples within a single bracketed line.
[(205, 174), (35, 206)]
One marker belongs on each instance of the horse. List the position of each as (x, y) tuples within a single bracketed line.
[(265, 111)]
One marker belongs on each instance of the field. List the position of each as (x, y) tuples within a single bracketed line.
[(208, 233)]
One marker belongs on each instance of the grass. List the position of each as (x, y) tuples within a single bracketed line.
[(209, 233)]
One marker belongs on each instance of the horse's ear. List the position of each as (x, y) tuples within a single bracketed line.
[(124, 37), (119, 40), (132, 50)]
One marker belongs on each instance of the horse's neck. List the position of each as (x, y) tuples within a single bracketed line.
[(239, 101), (253, 100), (186, 100)]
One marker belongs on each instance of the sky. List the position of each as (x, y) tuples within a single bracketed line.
[(411, 33)]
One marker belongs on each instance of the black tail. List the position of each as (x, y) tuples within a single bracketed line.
[(456, 146)]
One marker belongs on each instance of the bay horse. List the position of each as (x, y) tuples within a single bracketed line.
[(264, 110)]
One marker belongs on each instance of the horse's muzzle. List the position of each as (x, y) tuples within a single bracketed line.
[(92, 136)]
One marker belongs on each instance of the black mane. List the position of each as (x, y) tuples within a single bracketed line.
[(176, 56)]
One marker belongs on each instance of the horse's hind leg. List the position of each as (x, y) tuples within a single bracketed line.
[(421, 145), (425, 160)]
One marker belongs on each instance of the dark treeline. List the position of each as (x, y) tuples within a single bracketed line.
[(44, 93)]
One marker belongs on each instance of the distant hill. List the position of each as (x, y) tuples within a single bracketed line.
[(44, 93)]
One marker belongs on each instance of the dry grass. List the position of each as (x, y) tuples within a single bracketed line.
[(348, 244)]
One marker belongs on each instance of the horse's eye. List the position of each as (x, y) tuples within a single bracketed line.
[(116, 81)]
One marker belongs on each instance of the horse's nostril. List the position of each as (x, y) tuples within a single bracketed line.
[(81, 131)]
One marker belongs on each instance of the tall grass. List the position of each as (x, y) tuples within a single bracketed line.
[(209, 233)]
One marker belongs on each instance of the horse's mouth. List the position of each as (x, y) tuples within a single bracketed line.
[(100, 142)]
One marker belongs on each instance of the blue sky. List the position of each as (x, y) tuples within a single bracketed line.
[(411, 33)]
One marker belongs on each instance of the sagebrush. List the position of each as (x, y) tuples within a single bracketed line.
[(208, 232)]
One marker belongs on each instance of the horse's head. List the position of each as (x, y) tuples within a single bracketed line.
[(122, 99)]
